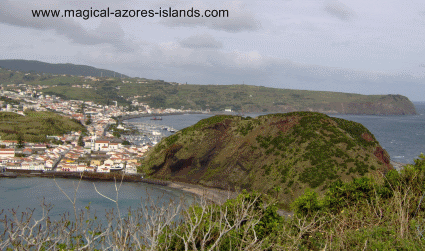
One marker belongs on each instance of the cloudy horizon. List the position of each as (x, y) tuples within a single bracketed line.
[(331, 45)]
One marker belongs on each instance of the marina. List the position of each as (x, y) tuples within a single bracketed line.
[(149, 133)]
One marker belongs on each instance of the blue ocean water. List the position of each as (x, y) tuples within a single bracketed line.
[(29, 192), (402, 136)]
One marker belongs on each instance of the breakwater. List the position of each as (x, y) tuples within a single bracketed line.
[(126, 117), (115, 176)]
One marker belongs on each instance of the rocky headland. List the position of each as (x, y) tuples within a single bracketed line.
[(278, 154)]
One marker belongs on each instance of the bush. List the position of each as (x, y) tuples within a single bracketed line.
[(307, 203)]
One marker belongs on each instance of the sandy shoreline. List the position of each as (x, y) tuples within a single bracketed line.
[(215, 195), (212, 194)]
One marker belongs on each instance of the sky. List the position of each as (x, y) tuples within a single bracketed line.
[(362, 46)]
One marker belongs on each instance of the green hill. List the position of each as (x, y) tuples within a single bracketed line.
[(42, 67), (239, 98), (34, 126), (292, 151)]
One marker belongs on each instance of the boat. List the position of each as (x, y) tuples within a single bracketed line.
[(156, 118), (116, 169)]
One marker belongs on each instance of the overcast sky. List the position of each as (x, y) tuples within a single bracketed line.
[(361, 46)]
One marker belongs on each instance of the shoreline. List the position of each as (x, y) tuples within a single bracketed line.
[(214, 195)]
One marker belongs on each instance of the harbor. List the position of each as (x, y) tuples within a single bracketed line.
[(149, 133)]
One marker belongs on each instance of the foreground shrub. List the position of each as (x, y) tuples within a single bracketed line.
[(369, 213)]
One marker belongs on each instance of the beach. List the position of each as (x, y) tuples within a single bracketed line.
[(214, 195)]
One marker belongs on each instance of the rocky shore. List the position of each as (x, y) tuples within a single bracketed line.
[(212, 194), (397, 165)]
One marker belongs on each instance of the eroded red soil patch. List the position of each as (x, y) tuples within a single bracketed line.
[(367, 137)]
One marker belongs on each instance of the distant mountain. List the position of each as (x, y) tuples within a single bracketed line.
[(42, 67)]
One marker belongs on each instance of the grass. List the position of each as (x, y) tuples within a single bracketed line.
[(293, 151), (35, 125)]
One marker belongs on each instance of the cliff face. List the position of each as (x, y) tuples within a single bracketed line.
[(386, 105), (368, 105), (292, 151)]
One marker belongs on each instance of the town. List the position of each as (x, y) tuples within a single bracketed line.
[(100, 150)]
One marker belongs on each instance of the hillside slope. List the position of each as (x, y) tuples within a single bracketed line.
[(292, 151), (42, 67), (35, 126), (158, 93)]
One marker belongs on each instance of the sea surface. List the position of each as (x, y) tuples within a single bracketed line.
[(28, 192), (402, 136)]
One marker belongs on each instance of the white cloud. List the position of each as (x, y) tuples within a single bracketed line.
[(239, 18), (201, 41), (19, 14), (339, 10), (339, 45)]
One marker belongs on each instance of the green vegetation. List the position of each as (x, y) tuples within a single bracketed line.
[(41, 67), (206, 122), (380, 212), (291, 151), (158, 93), (35, 126)]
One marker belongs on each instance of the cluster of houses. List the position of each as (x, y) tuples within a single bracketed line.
[(99, 153), (103, 155)]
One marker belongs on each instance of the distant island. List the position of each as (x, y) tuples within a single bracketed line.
[(108, 88)]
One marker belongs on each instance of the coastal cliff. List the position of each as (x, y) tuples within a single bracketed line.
[(277, 152), (357, 105)]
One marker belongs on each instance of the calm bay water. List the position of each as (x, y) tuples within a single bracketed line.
[(28, 192), (402, 136)]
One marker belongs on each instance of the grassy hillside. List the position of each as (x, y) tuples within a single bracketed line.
[(42, 67), (283, 153), (241, 98), (35, 125)]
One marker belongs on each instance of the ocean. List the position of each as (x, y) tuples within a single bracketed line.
[(28, 192)]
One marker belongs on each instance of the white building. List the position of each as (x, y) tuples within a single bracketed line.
[(130, 168), (99, 144), (6, 153), (32, 165)]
